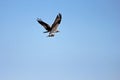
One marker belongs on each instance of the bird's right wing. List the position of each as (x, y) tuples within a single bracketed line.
[(45, 25)]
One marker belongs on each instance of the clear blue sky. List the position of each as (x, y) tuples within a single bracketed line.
[(86, 48)]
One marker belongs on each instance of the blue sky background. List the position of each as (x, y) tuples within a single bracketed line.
[(87, 47)]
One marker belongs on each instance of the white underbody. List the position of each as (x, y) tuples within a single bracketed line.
[(52, 33)]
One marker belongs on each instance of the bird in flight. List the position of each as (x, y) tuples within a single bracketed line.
[(53, 28)]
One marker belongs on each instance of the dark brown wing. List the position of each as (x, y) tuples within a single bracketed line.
[(45, 25), (57, 21)]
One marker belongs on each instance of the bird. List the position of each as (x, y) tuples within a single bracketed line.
[(53, 28)]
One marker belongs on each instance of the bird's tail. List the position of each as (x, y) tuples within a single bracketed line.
[(51, 35)]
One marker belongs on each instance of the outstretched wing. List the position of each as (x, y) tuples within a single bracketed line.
[(45, 25), (56, 22)]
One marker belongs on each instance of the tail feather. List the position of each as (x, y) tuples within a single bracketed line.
[(51, 35)]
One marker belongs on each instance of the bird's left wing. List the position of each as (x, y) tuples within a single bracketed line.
[(56, 22)]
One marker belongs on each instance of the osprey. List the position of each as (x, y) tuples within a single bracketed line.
[(53, 28)]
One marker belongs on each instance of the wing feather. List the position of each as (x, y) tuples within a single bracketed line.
[(56, 22), (45, 25)]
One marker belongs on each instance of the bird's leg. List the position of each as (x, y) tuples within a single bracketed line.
[(52, 35)]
